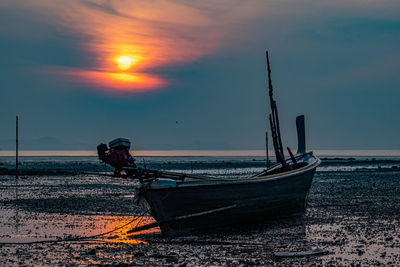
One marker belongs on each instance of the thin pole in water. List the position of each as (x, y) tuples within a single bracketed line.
[(144, 164), (16, 174), (16, 147), (16, 169), (266, 148)]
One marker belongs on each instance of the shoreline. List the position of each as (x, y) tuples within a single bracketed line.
[(199, 153)]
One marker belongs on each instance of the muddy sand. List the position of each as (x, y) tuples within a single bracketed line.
[(352, 219)]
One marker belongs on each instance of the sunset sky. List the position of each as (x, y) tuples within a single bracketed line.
[(191, 74)]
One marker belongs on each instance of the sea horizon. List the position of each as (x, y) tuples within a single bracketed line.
[(205, 153)]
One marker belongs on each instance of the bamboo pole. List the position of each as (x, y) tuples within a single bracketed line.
[(16, 171), (274, 120), (266, 148), (16, 147)]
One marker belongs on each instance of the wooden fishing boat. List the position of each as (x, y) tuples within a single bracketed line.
[(182, 203), (199, 204)]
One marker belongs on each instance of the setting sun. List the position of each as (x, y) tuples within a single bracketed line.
[(124, 62)]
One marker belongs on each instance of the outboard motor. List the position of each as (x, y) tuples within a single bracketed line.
[(101, 151), (117, 155)]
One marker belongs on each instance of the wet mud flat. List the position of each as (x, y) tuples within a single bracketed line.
[(352, 219)]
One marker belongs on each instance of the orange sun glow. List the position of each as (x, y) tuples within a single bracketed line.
[(131, 44), (124, 62)]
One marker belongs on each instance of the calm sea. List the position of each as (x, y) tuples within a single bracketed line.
[(200, 153), (202, 162)]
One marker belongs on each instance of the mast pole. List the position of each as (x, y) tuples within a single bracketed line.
[(274, 121)]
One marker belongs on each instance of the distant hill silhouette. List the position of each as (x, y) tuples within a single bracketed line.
[(43, 143)]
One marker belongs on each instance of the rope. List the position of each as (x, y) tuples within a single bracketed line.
[(79, 238)]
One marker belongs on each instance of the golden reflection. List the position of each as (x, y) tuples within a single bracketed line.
[(121, 235)]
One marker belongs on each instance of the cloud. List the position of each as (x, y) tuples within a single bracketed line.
[(157, 34)]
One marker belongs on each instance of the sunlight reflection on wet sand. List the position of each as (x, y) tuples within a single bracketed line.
[(121, 236), (23, 227)]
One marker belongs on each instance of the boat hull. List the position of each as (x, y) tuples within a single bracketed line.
[(234, 203)]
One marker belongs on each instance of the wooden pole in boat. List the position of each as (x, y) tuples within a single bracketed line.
[(274, 140), (274, 121)]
